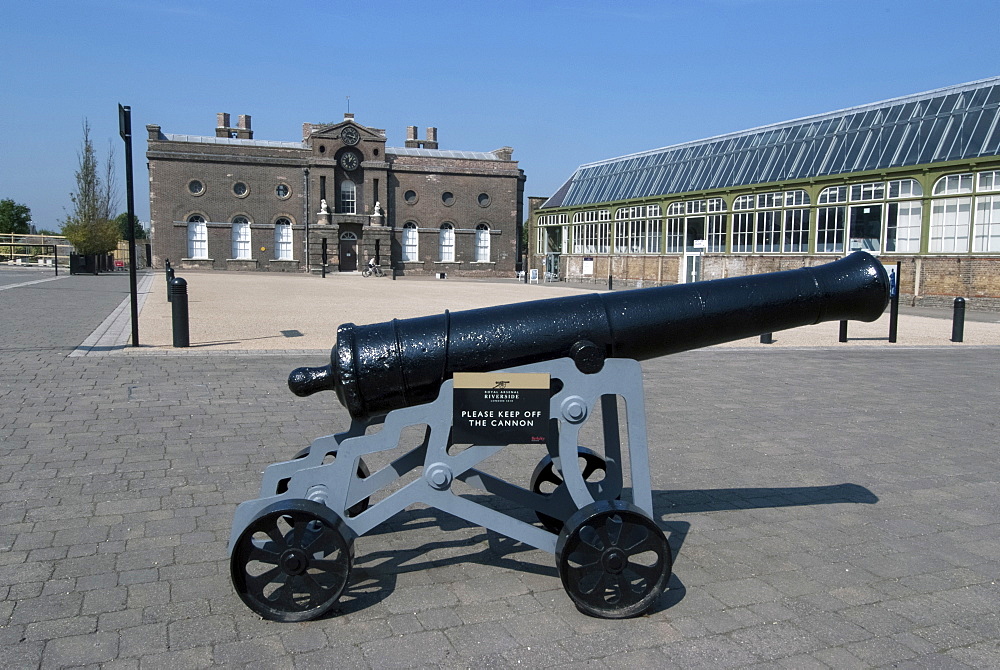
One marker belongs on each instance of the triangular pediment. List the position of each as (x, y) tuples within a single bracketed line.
[(334, 131)]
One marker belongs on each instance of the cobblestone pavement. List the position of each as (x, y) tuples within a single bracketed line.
[(828, 508)]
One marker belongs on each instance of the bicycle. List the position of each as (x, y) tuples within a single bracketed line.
[(373, 270)]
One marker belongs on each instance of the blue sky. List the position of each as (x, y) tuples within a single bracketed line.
[(562, 82)]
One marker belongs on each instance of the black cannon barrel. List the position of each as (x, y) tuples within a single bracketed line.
[(380, 367)]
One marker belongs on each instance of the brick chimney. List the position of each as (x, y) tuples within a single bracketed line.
[(243, 130), (222, 125), (432, 139), (411, 137)]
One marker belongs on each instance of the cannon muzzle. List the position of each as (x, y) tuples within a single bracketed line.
[(384, 366)]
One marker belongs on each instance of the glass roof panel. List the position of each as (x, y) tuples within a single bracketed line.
[(924, 128)]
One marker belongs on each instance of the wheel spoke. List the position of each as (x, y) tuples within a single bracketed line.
[(648, 573), (274, 533), (260, 581), (591, 466), (587, 581), (298, 531), (262, 555), (638, 540), (325, 565), (613, 528), (309, 547)]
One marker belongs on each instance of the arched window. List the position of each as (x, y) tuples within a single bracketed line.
[(410, 242), (348, 197), (241, 237), (951, 218), (446, 244), (283, 239), (482, 243), (197, 234)]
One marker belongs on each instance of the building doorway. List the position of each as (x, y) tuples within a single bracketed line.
[(866, 228), (348, 252), (695, 244)]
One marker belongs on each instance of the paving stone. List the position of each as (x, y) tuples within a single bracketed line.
[(807, 528), (79, 650)]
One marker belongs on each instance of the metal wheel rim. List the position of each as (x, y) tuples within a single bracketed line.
[(613, 560), (292, 562), (545, 473)]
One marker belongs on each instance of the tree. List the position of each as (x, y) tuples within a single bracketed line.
[(90, 227), (122, 222), (14, 218)]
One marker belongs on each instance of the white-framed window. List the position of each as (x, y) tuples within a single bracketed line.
[(796, 198), (986, 236), (675, 209), (953, 184), (833, 194), (591, 232), (446, 243), (695, 207), (902, 225), (283, 239), (241, 237), (411, 242), (716, 205), (864, 192), (768, 232), (743, 202), (348, 197), (197, 236), (637, 229), (716, 232), (743, 232), (905, 188), (989, 181), (674, 239), (951, 219), (770, 200), (830, 226), (482, 243), (796, 236)]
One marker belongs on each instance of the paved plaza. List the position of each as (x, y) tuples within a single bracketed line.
[(828, 505)]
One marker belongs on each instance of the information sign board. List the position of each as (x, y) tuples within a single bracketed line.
[(496, 408)]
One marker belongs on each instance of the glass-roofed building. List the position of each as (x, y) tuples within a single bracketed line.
[(914, 180)]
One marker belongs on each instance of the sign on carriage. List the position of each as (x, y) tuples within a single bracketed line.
[(500, 408)]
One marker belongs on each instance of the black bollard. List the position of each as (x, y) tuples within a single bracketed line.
[(843, 331), (894, 302), (170, 278), (766, 338), (179, 311), (324, 259), (958, 321)]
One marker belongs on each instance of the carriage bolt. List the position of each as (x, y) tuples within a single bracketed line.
[(574, 409), (318, 493), (439, 476)]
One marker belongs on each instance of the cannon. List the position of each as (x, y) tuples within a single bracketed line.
[(529, 375)]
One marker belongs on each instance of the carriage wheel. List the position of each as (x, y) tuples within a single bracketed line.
[(292, 562), (614, 561), (545, 480)]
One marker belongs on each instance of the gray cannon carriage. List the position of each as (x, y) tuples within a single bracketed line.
[(544, 368)]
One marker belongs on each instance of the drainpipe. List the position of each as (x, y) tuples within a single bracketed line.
[(305, 212)]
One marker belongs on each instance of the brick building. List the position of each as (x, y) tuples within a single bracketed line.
[(231, 202), (915, 180)]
